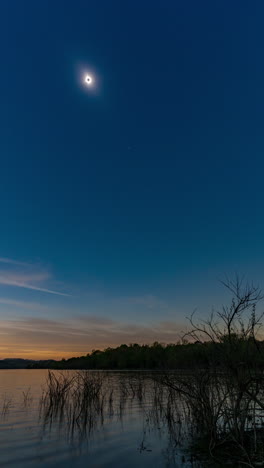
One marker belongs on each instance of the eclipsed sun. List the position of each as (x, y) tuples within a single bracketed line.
[(88, 80)]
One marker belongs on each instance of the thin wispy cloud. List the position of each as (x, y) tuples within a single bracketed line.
[(21, 284), (26, 305), (10, 261), (27, 276)]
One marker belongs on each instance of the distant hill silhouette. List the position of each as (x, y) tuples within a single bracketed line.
[(15, 363)]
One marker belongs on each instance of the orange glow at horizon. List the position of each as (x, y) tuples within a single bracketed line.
[(36, 338), (37, 355)]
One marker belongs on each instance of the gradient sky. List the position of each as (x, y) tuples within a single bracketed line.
[(123, 205)]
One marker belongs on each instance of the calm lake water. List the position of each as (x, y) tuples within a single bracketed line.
[(121, 434)]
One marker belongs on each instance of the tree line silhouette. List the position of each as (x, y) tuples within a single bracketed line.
[(159, 356)]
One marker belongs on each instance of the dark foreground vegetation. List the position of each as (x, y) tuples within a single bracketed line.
[(220, 403)]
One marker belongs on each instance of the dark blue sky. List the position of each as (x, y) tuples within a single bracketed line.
[(146, 189)]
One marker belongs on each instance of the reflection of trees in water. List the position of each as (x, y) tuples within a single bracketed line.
[(80, 402), (83, 400), (8, 402), (179, 408), (6, 406), (75, 402)]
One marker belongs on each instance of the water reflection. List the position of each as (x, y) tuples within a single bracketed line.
[(81, 403), (101, 418)]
